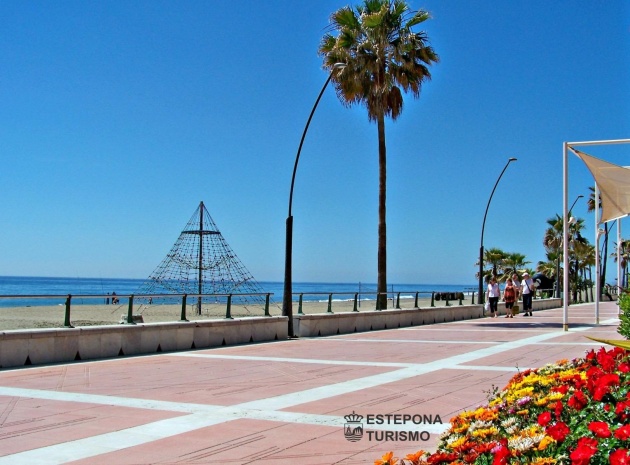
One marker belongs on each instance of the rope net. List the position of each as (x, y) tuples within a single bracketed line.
[(202, 262)]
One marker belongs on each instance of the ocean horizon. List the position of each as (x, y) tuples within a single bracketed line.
[(77, 287)]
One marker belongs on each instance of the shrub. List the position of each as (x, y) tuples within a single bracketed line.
[(624, 315)]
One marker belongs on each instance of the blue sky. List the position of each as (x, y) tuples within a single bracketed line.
[(118, 118)]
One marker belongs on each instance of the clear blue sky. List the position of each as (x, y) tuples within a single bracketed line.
[(117, 118)]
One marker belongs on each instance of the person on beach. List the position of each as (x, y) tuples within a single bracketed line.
[(493, 295), (509, 297), (527, 291)]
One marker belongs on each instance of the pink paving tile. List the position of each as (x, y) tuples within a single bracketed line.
[(27, 423), (441, 393), (190, 379), (251, 441)]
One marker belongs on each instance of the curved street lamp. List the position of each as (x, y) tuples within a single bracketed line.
[(483, 227), (287, 305)]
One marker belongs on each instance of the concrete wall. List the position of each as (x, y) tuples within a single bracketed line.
[(326, 324), (38, 346)]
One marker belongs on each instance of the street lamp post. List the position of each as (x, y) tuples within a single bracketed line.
[(287, 305), (483, 226), (558, 258)]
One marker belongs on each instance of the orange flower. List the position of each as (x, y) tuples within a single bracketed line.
[(416, 457), (387, 459)]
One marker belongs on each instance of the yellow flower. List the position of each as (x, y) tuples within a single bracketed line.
[(542, 402), (485, 432), (457, 443), (546, 442), (543, 461)]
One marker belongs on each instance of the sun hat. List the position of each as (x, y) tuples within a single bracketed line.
[(526, 274)]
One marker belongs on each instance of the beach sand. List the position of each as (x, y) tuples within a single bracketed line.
[(53, 316)]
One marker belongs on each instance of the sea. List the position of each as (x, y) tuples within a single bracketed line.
[(53, 290)]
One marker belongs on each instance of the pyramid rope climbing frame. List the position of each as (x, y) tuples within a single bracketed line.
[(202, 263)]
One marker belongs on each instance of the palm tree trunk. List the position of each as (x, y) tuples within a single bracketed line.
[(602, 278), (382, 225)]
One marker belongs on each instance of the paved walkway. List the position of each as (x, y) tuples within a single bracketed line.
[(281, 402)]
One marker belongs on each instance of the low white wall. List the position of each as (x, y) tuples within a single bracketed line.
[(326, 324), (38, 346)]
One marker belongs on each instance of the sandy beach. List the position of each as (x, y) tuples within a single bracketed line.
[(53, 316)]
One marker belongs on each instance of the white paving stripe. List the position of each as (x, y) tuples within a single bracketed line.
[(212, 415), (437, 341), (254, 358)]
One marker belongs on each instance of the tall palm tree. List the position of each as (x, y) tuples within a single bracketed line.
[(624, 257), (384, 56), (552, 241), (604, 252)]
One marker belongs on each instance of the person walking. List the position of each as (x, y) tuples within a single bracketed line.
[(509, 297), (527, 291), (516, 282), (493, 294)]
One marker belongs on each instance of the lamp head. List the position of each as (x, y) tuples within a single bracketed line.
[(513, 159), (571, 220)]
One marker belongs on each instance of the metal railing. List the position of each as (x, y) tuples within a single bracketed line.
[(132, 297), (355, 300), (446, 297)]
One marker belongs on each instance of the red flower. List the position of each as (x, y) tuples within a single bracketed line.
[(600, 429), (558, 431), (602, 385), (606, 360), (586, 448), (590, 355), (624, 367), (562, 389), (544, 418), (578, 400), (622, 409), (558, 409), (623, 433), (620, 457), (441, 457), (501, 455)]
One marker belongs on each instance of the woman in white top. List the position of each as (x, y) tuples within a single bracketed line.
[(527, 291), (493, 294)]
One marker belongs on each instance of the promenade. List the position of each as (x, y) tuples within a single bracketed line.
[(282, 402)]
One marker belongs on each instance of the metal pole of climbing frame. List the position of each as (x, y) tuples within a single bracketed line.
[(200, 257)]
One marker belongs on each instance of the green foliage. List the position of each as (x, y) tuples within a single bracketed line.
[(624, 315), (492, 393)]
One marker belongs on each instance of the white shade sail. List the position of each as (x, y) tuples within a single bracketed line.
[(613, 183)]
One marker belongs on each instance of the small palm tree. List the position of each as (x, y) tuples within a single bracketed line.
[(513, 262), (384, 57), (494, 257)]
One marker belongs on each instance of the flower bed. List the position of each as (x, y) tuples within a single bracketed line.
[(571, 412)]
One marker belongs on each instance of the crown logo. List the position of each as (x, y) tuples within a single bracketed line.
[(353, 417)]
